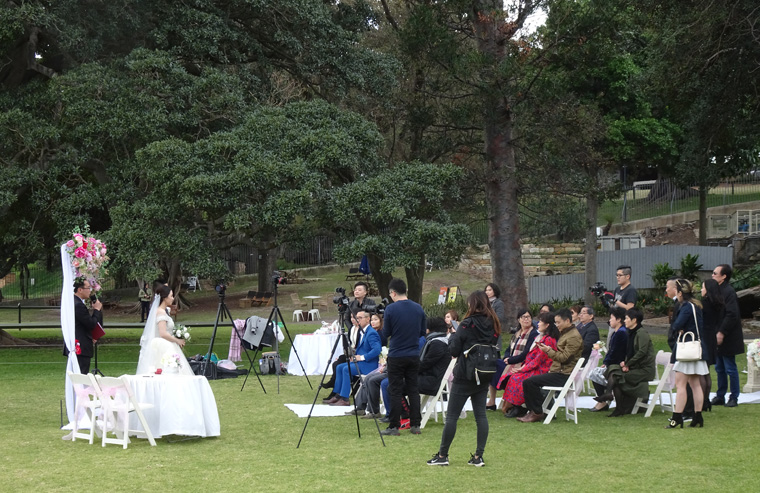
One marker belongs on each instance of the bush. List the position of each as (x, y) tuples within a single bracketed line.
[(690, 267), (746, 278), (661, 273)]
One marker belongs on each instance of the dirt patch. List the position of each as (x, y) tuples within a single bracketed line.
[(677, 234)]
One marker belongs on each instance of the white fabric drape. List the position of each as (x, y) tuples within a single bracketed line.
[(67, 326)]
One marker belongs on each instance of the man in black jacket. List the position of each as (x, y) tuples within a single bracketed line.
[(85, 323), (730, 340), (434, 358), (588, 330)]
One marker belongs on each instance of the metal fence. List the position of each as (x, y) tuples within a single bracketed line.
[(641, 260)]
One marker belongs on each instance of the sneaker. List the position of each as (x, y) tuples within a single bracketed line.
[(358, 412), (475, 461), (385, 419), (415, 430), (372, 416), (390, 431), (437, 460)]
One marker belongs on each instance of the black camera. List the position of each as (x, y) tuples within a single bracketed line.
[(341, 299), (600, 291), (221, 288), (278, 278), (380, 307)]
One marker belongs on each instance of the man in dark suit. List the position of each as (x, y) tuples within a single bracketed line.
[(588, 330), (730, 340), (84, 323)]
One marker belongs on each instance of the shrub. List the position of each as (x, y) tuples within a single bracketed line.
[(690, 267), (661, 273)]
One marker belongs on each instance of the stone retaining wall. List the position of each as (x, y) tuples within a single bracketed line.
[(538, 260)]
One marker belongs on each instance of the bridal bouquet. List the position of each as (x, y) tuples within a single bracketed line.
[(181, 332), (88, 257), (170, 360), (600, 346)]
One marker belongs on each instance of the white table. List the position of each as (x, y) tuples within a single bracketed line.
[(312, 298), (182, 405), (314, 350)]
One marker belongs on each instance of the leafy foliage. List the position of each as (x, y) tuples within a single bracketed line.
[(661, 273), (690, 266)]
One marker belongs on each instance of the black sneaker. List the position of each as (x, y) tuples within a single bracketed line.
[(415, 430), (475, 461), (390, 431), (437, 460)]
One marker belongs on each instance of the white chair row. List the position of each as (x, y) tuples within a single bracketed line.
[(107, 401), (664, 382), (569, 392), (429, 403)]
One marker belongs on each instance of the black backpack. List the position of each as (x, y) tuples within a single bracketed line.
[(480, 360)]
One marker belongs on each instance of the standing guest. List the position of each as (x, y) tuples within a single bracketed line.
[(672, 292), (630, 378), (564, 358), (452, 321), (588, 331), (480, 326), (366, 359), (404, 324), (730, 339), (493, 291), (84, 323), (537, 362), (521, 342), (689, 321), (360, 301), (625, 295), (713, 311), (145, 296), (616, 352)]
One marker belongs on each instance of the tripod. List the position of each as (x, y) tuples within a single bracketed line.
[(221, 312), (347, 353), (96, 371), (275, 318)]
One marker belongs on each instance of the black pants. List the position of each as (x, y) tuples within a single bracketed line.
[(534, 399), (460, 392), (402, 380), (84, 364), (144, 310)]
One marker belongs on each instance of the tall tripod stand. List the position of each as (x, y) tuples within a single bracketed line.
[(348, 354), (221, 312), (275, 318)]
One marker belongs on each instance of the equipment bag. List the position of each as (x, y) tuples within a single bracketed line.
[(480, 361)]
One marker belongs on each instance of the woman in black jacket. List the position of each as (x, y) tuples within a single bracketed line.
[(480, 326)]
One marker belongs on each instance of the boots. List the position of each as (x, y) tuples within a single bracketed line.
[(608, 394), (697, 421), (677, 419)]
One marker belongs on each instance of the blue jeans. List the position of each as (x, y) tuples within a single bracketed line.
[(725, 366)]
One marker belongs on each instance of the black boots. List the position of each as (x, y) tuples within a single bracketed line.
[(697, 421), (677, 419)]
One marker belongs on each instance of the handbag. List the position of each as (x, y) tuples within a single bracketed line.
[(689, 350)]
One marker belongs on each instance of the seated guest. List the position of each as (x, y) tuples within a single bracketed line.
[(564, 358), (366, 359), (352, 338), (546, 308), (630, 378), (434, 358), (537, 362), (452, 321), (615, 354), (588, 331), (521, 342), (575, 310)]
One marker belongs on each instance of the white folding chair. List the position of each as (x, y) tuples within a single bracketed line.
[(429, 403), (118, 401), (87, 402), (593, 362), (572, 386), (664, 382)]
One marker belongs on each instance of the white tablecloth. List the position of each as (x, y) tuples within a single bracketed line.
[(314, 350), (182, 405)]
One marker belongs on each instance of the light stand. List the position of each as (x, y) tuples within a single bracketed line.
[(342, 309), (96, 371), (275, 318), (221, 312)]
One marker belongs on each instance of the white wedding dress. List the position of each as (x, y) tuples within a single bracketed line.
[(154, 347)]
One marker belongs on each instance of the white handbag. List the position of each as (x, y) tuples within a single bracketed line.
[(689, 350)]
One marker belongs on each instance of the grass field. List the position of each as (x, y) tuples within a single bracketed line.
[(257, 446)]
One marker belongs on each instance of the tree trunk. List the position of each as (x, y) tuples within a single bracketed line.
[(414, 278), (8, 340), (500, 162), (267, 264), (381, 278), (703, 215), (590, 254)]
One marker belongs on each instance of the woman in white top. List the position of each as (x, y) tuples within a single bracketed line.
[(157, 340)]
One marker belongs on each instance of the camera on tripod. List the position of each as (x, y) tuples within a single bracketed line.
[(600, 291), (341, 299), (278, 278), (221, 288), (380, 307)]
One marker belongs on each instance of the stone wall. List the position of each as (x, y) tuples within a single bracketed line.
[(538, 259)]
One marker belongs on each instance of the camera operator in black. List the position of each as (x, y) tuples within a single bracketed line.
[(625, 295), (361, 302)]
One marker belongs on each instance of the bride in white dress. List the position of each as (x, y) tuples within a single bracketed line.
[(157, 340)]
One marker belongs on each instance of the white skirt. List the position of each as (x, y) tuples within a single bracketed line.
[(692, 367)]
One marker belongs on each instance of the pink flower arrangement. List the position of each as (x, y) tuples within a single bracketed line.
[(88, 258)]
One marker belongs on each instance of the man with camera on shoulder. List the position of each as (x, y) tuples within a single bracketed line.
[(625, 295)]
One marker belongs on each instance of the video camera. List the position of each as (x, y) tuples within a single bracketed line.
[(380, 307), (221, 288), (341, 299), (278, 278), (600, 291)]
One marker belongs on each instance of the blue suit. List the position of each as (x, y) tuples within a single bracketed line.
[(369, 347)]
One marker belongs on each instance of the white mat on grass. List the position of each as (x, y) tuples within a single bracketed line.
[(584, 402)]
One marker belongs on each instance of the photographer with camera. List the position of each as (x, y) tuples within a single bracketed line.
[(625, 295), (361, 302)]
